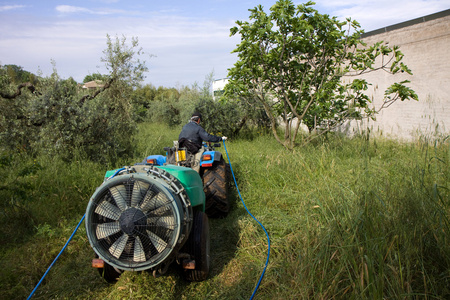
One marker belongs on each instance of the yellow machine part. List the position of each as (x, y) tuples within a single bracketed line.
[(181, 155)]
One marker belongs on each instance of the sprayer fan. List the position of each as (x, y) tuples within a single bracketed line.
[(133, 222)]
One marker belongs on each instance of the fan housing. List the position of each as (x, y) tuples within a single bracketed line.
[(138, 221)]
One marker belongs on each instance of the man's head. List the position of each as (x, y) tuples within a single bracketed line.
[(196, 117)]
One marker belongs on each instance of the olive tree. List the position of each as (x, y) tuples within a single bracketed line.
[(57, 117), (293, 61)]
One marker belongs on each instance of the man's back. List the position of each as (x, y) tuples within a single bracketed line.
[(196, 134)]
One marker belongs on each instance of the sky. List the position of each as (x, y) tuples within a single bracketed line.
[(184, 41)]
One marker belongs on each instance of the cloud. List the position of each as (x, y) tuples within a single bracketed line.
[(10, 7), (185, 49), (69, 9), (109, 1), (187, 46), (381, 13)]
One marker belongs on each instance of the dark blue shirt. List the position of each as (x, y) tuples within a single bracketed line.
[(196, 134)]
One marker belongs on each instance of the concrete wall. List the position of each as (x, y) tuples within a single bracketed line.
[(425, 42)]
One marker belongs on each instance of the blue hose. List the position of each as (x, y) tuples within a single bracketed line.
[(67, 243), (267, 234), (234, 178), (117, 172), (62, 250)]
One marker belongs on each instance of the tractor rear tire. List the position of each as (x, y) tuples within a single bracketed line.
[(198, 246), (215, 186)]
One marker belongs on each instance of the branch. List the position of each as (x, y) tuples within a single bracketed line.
[(18, 91), (384, 66), (260, 97), (90, 97), (387, 103)]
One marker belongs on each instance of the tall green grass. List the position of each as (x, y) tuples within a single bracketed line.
[(353, 218)]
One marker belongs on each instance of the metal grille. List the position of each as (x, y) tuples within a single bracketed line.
[(135, 223)]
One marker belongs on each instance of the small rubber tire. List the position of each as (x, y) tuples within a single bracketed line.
[(215, 186), (198, 246)]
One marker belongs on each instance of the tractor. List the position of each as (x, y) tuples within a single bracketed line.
[(214, 173), (147, 216)]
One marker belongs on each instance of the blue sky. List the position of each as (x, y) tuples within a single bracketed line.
[(184, 41)]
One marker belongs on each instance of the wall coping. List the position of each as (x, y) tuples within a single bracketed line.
[(427, 18)]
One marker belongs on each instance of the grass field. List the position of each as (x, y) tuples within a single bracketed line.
[(348, 218)]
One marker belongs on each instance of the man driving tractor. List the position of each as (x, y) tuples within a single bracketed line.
[(192, 136)]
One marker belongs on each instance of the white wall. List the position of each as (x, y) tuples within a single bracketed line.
[(426, 47), (218, 86)]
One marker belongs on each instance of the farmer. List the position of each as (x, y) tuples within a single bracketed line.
[(192, 136)]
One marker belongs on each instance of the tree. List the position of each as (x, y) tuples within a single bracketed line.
[(17, 74), (122, 61), (57, 117), (293, 60)]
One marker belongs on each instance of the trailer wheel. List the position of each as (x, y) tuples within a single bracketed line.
[(216, 190), (198, 246)]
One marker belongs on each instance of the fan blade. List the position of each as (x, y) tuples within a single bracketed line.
[(158, 205), (119, 194), (158, 242), (116, 249), (161, 200), (148, 200), (139, 253), (139, 192), (165, 222), (108, 210), (107, 229), (162, 211)]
